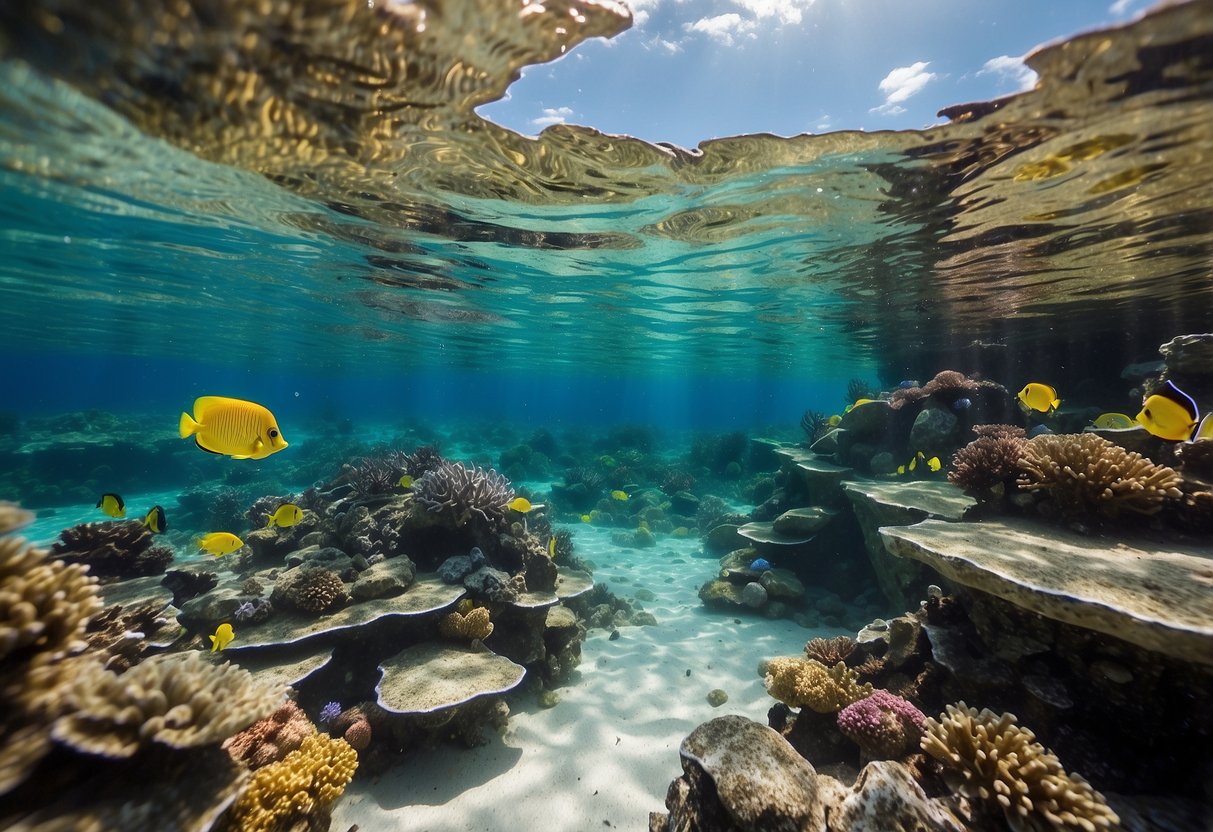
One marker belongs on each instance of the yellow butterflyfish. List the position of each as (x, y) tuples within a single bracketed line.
[(287, 515), (219, 543), (834, 420), (585, 518), (155, 520), (934, 464), (406, 481), (619, 495), (232, 427), (112, 505), (1039, 397), (223, 637), (1169, 413), (519, 504), (1114, 421), (552, 547)]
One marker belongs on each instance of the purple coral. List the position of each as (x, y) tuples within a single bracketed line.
[(883, 725), (330, 712), (244, 612), (458, 491)]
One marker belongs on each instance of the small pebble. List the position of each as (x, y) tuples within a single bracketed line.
[(688, 673), (717, 697), (549, 699), (614, 636)]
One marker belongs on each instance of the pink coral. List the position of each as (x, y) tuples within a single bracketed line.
[(269, 740), (883, 725)]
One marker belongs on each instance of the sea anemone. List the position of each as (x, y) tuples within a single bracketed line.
[(330, 712)]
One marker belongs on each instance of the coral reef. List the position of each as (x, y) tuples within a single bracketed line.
[(309, 589), (358, 734), (373, 476), (113, 549), (801, 683), (179, 699), (426, 458), (883, 725), (271, 738), (830, 651), (945, 381), (457, 492), (1085, 475), (307, 780), (474, 625), (988, 757), (988, 465), (120, 634), (13, 517)]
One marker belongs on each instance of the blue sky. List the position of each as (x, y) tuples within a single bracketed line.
[(690, 70)]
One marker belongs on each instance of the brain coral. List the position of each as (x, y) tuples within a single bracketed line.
[(801, 683), (989, 757), (287, 792), (474, 624), (270, 739), (309, 589), (177, 699), (883, 725), (459, 492), (1085, 474), (988, 461)]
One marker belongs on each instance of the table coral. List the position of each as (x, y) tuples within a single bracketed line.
[(474, 624), (883, 725), (177, 699), (988, 757), (1084, 474), (305, 781), (270, 739), (800, 683)]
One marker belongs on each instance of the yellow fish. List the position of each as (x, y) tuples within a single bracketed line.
[(901, 469), (934, 464), (520, 504), (223, 637), (112, 505), (155, 521), (859, 402), (585, 518), (406, 481), (220, 543), (287, 515), (552, 547), (834, 420), (1169, 413), (1205, 431), (1114, 421), (619, 495), (239, 429), (1039, 397)]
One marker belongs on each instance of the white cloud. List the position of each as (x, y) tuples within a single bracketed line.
[(552, 115), (1120, 7), (721, 28), (902, 83), (1010, 69), (642, 10), (671, 46), (824, 124), (789, 12)]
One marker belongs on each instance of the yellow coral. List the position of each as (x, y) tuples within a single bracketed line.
[(474, 625), (306, 780), (991, 758), (801, 683)]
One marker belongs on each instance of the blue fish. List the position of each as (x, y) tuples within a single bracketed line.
[(760, 564), (907, 384), (962, 404), (1039, 430)]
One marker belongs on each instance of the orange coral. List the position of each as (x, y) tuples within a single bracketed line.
[(271, 739)]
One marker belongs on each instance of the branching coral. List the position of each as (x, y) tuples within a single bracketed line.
[(270, 739), (883, 725), (474, 624), (1084, 474), (988, 757), (374, 476), (989, 462), (830, 651), (801, 683), (113, 549), (945, 381), (457, 491), (426, 458), (305, 781), (178, 699)]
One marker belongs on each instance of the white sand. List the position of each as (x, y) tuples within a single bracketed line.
[(605, 755)]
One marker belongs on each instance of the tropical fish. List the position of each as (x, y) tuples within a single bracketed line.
[(1039, 397), (220, 543), (934, 464), (239, 429), (1169, 413), (552, 547), (760, 564), (520, 504), (834, 420), (621, 496), (859, 402), (406, 481), (223, 637), (288, 514), (1114, 421), (155, 520), (907, 384), (112, 504), (962, 404), (585, 518)]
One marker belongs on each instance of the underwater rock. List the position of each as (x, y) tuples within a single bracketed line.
[(933, 431), (454, 569), (268, 547), (206, 612), (720, 594), (868, 420), (753, 595), (684, 503), (433, 677), (324, 557), (886, 797), (1189, 354), (493, 584), (186, 584), (830, 442), (782, 583), (384, 579), (723, 538), (717, 697)]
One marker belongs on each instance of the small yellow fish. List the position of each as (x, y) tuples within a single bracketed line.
[(901, 469), (1114, 421), (934, 464), (585, 518), (834, 420), (155, 521), (1169, 413), (1039, 397), (287, 515), (859, 402), (914, 462), (621, 496), (406, 481), (552, 547), (112, 504), (239, 429), (220, 543), (223, 637), (519, 504)]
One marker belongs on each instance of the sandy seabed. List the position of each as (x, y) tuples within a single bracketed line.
[(604, 756)]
